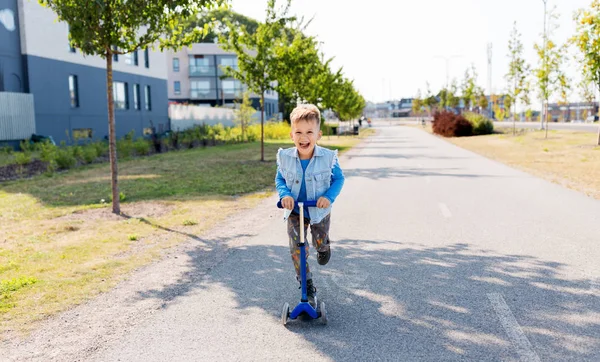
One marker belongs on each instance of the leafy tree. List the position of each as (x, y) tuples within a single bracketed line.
[(517, 70), (453, 100), (417, 103), (549, 71), (219, 22), (243, 114), (430, 101), (109, 27), (587, 40), (482, 101), (256, 54), (469, 87)]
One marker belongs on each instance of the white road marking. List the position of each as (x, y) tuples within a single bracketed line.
[(513, 329), (445, 211)]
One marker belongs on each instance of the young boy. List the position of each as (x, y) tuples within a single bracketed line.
[(308, 172)]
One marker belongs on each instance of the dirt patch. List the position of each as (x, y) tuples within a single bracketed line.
[(146, 209), (134, 210)]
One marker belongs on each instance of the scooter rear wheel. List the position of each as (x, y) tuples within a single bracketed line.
[(323, 313), (285, 313)]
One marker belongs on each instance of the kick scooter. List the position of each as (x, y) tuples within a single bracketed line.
[(304, 308)]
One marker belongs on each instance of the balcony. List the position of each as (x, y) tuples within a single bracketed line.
[(221, 68), (202, 70), (203, 93), (227, 93)]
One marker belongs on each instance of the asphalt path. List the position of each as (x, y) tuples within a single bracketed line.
[(439, 254)]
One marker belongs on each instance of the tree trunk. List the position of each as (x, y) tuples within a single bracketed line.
[(598, 143), (262, 125), (546, 118), (112, 139)]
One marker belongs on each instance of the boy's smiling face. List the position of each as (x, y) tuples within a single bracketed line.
[(305, 135)]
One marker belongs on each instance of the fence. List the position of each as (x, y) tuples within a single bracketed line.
[(17, 116), (185, 116)]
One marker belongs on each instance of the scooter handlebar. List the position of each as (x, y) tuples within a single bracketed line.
[(306, 204)]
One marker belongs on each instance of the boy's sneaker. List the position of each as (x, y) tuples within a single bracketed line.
[(323, 258), (311, 292)]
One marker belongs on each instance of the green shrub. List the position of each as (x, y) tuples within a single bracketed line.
[(65, 159), (142, 147), (277, 130), (7, 150), (124, 148), (187, 139), (48, 153), (23, 158), (26, 146), (101, 148), (89, 153), (481, 124), (77, 152)]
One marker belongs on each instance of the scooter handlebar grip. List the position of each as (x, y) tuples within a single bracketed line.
[(306, 204)]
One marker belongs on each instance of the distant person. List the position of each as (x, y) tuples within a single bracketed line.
[(308, 172)]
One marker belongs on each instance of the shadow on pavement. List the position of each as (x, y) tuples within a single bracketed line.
[(390, 300)]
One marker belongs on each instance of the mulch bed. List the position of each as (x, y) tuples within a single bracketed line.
[(15, 172)]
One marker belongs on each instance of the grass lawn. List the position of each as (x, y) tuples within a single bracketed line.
[(60, 245), (569, 158)]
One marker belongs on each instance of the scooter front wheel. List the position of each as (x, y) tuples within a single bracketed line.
[(285, 313)]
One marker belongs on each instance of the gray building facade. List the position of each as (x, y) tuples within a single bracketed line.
[(69, 89)]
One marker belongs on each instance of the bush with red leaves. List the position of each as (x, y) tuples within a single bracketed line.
[(448, 124)]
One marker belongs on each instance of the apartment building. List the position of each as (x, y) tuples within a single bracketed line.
[(196, 77), (68, 88)]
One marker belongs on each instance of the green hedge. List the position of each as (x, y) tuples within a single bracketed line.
[(481, 124)]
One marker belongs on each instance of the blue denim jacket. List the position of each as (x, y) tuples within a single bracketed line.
[(318, 177)]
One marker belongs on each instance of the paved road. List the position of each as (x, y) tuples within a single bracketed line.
[(439, 255)]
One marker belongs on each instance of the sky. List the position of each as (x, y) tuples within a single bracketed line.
[(391, 48)]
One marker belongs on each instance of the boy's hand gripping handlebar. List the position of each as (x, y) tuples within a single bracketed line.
[(305, 204)]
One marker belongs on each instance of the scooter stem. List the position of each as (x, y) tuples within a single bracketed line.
[(302, 245)]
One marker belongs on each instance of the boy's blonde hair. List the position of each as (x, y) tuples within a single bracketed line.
[(305, 112)]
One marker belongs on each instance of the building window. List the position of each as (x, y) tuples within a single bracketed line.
[(82, 133), (148, 98), (231, 87), (136, 96), (199, 88), (74, 91), (200, 66), (120, 95), (146, 58), (71, 48), (115, 55), (176, 64), (131, 58), (229, 62), (177, 86)]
